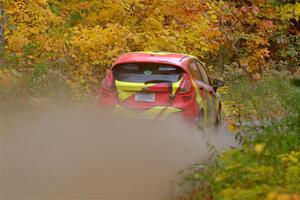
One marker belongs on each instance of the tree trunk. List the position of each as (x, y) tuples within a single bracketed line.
[(2, 39)]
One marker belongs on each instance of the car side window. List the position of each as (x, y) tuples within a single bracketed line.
[(203, 73), (194, 70)]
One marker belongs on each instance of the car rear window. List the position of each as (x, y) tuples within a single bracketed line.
[(145, 72)]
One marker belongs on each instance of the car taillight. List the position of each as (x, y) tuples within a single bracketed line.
[(186, 87)]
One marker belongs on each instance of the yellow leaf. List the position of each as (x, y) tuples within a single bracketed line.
[(283, 197), (259, 148), (232, 128)]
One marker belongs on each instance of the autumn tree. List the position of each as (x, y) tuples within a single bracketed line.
[(82, 38), (1, 23)]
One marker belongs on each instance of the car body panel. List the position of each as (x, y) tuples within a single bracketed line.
[(176, 59), (168, 97)]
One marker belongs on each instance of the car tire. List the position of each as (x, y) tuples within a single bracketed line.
[(219, 117), (200, 122)]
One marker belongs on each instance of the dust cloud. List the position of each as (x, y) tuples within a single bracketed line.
[(81, 154)]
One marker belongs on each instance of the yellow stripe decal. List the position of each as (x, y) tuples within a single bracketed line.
[(150, 113), (169, 112), (121, 110), (198, 97), (175, 86), (202, 103), (127, 89), (153, 112)]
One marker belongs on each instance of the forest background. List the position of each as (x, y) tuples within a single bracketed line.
[(54, 51)]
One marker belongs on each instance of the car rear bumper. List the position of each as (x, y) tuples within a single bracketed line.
[(187, 111)]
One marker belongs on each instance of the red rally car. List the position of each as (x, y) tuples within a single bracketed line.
[(160, 85)]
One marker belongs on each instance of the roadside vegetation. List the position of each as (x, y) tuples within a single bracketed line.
[(56, 52)]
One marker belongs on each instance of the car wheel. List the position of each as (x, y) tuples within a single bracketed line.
[(219, 117), (201, 123)]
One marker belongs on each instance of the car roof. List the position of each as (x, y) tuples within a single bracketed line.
[(177, 59)]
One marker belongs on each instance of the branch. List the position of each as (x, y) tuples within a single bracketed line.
[(127, 13), (2, 39)]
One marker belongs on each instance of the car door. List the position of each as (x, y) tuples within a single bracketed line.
[(202, 92), (212, 98)]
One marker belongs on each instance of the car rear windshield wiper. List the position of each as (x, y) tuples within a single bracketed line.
[(157, 81)]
